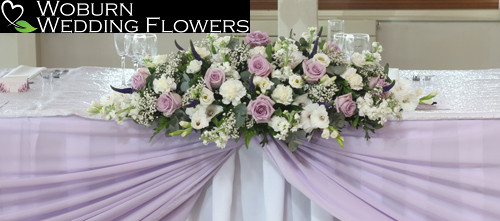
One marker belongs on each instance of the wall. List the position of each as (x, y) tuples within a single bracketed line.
[(413, 39)]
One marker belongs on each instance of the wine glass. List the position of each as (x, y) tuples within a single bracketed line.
[(361, 42), (335, 26), (144, 46), (120, 47), (129, 38)]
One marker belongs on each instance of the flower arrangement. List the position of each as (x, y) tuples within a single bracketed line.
[(288, 89)]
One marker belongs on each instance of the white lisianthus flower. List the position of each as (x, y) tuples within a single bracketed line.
[(164, 84), (160, 59), (263, 83), (213, 110), (325, 134), (319, 117), (206, 97), (232, 91), (257, 50), (283, 94), (314, 116), (203, 52), (296, 81), (194, 66), (355, 81), (199, 120), (358, 59), (302, 100), (322, 59)]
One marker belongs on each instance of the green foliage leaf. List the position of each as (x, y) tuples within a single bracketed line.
[(184, 86), (161, 125), (338, 70), (245, 75), (386, 68), (248, 136), (269, 52), (25, 27), (233, 43)]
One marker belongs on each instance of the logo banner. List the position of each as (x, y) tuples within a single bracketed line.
[(124, 16)]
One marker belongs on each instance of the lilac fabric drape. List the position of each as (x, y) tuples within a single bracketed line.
[(70, 168), (409, 170)]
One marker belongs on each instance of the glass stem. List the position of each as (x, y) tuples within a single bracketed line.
[(123, 71)]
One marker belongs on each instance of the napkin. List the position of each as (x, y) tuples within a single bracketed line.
[(24, 71)]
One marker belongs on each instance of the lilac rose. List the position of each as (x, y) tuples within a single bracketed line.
[(139, 78), (257, 38), (168, 103), (313, 70), (345, 105), (374, 82), (259, 65), (333, 47), (261, 109), (214, 77)]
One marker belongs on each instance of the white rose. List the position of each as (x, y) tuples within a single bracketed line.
[(199, 120), (257, 50), (194, 66), (347, 72), (319, 117), (263, 83), (358, 59), (206, 97), (283, 94), (302, 101), (355, 81), (296, 81), (203, 52), (160, 59), (322, 59), (164, 84), (232, 91)]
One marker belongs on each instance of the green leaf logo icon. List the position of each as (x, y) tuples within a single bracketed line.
[(24, 27)]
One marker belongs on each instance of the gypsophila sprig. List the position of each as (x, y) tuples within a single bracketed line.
[(223, 88)]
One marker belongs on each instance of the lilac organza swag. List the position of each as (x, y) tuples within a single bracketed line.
[(288, 89)]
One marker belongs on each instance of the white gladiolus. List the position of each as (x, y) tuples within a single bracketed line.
[(302, 101)]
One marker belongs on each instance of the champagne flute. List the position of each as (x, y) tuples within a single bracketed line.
[(129, 41), (144, 46), (120, 47)]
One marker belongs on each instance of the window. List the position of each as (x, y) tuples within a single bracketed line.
[(386, 4)]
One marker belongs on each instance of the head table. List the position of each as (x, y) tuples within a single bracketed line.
[(59, 162)]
